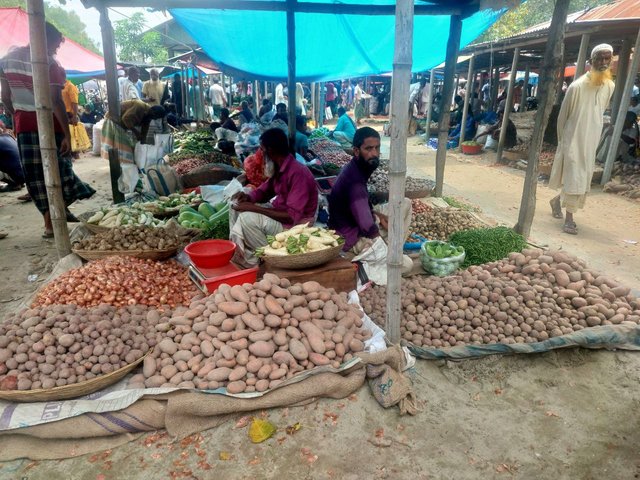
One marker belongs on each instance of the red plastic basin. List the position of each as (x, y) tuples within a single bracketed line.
[(210, 253), (471, 149)]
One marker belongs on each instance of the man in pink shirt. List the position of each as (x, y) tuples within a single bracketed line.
[(288, 197)]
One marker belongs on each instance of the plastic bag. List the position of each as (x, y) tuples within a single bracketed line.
[(374, 261), (327, 113), (440, 266), (147, 154), (79, 139)]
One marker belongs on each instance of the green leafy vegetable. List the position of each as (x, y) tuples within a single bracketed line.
[(485, 245)]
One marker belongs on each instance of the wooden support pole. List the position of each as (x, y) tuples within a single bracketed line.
[(113, 96), (321, 103), (509, 104), (432, 86), (525, 91), (547, 91), (623, 68), (467, 97), (402, 62), (495, 86), (622, 112), (46, 135), (453, 44), (185, 103), (560, 83), (314, 107), (582, 55), (202, 115), (291, 70), (256, 97)]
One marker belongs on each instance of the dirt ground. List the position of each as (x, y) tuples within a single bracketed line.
[(561, 415)]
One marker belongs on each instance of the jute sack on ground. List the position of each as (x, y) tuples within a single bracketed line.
[(181, 413)]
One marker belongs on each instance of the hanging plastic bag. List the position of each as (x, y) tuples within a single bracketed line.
[(79, 139)]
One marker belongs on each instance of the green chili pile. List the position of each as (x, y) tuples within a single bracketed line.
[(484, 245)]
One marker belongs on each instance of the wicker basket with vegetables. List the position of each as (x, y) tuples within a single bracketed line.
[(301, 247), (441, 258)]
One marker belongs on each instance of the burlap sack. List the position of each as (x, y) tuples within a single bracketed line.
[(181, 413), (388, 384)]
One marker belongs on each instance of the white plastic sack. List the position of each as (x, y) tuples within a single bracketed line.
[(164, 140), (96, 137), (491, 143), (374, 261), (128, 178), (230, 190), (147, 154), (213, 194), (327, 113)]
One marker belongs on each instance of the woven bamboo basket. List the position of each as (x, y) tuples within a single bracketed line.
[(303, 260), (146, 254), (90, 226), (70, 391)]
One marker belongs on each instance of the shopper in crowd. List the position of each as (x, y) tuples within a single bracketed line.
[(176, 93), (302, 138), (16, 82), (280, 96), (129, 87), (330, 97), (579, 128), (153, 89), (295, 199), (217, 97), (5, 118), (10, 161), (358, 100), (281, 113), (245, 115), (267, 111)]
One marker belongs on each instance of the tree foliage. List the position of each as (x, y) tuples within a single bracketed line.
[(68, 22), (134, 45), (530, 13)]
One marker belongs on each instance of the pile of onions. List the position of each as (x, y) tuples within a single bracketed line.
[(120, 281)]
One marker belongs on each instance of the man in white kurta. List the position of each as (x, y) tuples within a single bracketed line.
[(579, 128)]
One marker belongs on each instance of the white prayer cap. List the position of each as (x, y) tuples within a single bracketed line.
[(602, 47)]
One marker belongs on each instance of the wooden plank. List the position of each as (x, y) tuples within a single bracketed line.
[(582, 55), (432, 86), (622, 113), (339, 274), (508, 106), (525, 91), (46, 136), (453, 45), (291, 70), (402, 62), (113, 96), (305, 7), (467, 97), (546, 83)]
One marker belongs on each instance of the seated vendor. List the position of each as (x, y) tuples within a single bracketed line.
[(88, 116), (281, 113), (296, 199), (350, 212), (302, 140), (245, 115), (493, 132), (226, 121), (136, 115), (345, 129)]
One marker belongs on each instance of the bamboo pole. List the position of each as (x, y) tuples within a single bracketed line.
[(46, 135), (622, 112), (623, 68), (314, 107), (453, 44), (185, 102), (321, 103), (291, 70), (547, 91), (201, 111), (561, 76), (432, 86), (495, 86), (467, 96), (402, 62), (113, 96), (509, 104), (582, 55), (256, 97), (525, 92)]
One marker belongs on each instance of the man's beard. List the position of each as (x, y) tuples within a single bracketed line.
[(269, 167), (598, 77)]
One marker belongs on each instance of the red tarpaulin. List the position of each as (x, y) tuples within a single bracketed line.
[(14, 32)]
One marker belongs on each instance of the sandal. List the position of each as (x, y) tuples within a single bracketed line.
[(24, 198), (47, 234), (556, 208), (71, 217), (570, 228)]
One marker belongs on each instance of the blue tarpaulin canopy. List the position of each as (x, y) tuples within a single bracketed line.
[(253, 44)]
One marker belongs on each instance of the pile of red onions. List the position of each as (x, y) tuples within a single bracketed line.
[(120, 281)]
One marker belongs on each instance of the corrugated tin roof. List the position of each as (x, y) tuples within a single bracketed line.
[(623, 9)]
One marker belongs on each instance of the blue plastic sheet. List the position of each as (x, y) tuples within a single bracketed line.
[(253, 44)]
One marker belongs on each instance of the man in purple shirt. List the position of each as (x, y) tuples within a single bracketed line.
[(350, 212), (295, 202)]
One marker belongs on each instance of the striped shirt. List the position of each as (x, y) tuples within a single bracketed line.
[(16, 68)]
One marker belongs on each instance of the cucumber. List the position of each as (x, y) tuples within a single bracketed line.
[(206, 210)]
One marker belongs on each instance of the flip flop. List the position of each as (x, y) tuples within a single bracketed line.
[(570, 228), (556, 208), (47, 234), (24, 198)]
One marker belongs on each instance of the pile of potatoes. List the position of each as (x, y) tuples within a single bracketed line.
[(130, 238), (252, 337), (440, 223), (529, 297), (58, 345)]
